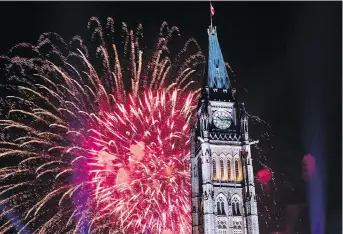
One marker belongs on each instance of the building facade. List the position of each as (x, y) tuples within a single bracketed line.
[(223, 190)]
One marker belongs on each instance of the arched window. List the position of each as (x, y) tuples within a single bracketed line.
[(237, 227), (214, 169), (237, 224), (221, 168), (236, 169), (235, 207), (228, 169), (220, 206)]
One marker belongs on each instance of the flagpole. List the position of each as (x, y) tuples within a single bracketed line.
[(211, 14)]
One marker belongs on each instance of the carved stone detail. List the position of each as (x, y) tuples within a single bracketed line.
[(225, 136)]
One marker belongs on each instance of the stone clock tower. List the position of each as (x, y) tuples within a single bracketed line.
[(223, 190)]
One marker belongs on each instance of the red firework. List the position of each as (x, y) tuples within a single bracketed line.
[(264, 175), (138, 163), (98, 150)]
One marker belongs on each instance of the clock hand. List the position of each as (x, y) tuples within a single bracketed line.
[(223, 118)]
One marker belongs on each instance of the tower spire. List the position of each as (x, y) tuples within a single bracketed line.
[(217, 73)]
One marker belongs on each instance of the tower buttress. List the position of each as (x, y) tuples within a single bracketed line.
[(250, 201)]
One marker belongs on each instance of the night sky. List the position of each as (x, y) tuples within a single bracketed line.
[(286, 57)]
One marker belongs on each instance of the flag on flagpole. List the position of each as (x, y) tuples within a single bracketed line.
[(212, 9)]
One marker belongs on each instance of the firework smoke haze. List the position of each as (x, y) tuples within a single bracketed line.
[(94, 137)]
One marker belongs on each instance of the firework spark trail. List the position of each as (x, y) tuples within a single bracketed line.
[(269, 211), (153, 173), (90, 140)]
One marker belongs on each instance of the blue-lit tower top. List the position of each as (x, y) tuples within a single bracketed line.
[(217, 73)]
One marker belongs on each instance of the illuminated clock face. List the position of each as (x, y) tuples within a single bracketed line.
[(222, 119)]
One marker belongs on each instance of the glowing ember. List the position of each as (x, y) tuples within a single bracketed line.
[(167, 232), (309, 164), (263, 176), (122, 177), (137, 151)]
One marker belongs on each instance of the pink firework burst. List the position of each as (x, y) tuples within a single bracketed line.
[(97, 148), (139, 162)]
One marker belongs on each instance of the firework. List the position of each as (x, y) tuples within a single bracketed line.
[(309, 166), (139, 163), (94, 136)]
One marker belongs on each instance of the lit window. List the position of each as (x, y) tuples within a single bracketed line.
[(214, 169), (222, 168), (228, 169), (236, 169)]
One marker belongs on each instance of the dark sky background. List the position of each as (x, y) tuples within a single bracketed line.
[(287, 55)]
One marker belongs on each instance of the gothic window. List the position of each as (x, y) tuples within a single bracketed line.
[(237, 224), (236, 169), (229, 168), (222, 168), (214, 169), (235, 207), (222, 227), (220, 206)]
